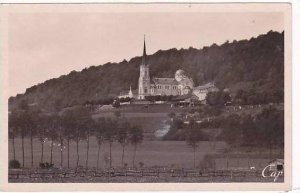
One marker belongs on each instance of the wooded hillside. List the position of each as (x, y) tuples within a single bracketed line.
[(256, 64)]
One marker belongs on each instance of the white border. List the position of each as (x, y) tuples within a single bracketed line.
[(295, 62)]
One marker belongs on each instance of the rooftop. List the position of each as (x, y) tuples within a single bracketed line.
[(205, 86), (169, 81)]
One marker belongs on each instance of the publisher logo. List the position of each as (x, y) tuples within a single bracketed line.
[(273, 171)]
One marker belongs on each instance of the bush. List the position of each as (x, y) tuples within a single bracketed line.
[(14, 164), (42, 165), (46, 165)]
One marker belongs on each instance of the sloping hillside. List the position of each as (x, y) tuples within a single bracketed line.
[(256, 64)]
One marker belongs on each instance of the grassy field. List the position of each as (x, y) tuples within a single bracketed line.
[(151, 153)]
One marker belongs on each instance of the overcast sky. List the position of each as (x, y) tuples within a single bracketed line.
[(47, 45)]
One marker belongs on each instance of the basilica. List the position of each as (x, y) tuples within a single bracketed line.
[(181, 84)]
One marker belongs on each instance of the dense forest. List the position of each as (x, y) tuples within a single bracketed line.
[(256, 64)]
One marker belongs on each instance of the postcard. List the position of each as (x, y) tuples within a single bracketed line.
[(146, 96)]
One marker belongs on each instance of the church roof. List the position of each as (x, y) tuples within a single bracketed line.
[(168, 81), (205, 86)]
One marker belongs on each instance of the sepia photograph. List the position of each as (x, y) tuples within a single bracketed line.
[(148, 93)]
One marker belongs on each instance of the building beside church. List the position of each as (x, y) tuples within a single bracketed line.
[(181, 84), (127, 94)]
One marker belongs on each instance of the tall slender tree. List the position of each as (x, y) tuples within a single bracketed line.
[(193, 138), (76, 121), (110, 136), (43, 124), (123, 136), (24, 124), (100, 125), (32, 125), (52, 132), (13, 129), (90, 129), (136, 137), (68, 123), (61, 143)]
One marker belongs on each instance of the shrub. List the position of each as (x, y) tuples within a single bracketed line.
[(42, 165), (141, 164), (14, 164), (46, 165)]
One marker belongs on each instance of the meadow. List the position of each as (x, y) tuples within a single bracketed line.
[(149, 152)]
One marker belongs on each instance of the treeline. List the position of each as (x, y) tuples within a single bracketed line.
[(256, 64), (72, 125), (244, 97), (264, 130)]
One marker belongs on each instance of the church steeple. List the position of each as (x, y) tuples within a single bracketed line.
[(144, 61), (144, 80)]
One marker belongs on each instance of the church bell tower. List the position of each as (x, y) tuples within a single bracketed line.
[(144, 80)]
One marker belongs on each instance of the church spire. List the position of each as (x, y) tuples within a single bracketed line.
[(144, 53)]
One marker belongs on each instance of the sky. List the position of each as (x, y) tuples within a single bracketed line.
[(44, 45)]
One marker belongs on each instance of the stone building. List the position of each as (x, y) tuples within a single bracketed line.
[(181, 84)]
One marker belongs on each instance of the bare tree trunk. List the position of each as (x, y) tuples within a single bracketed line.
[(98, 155), (270, 145), (77, 147), (87, 152), (123, 152), (134, 155), (31, 147), (110, 144), (68, 141), (23, 152), (61, 152), (42, 156), (194, 157), (51, 151), (14, 148)]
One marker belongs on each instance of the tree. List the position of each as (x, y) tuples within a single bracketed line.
[(136, 137), (67, 131), (270, 123), (110, 136), (217, 98), (24, 124), (23, 105), (122, 136), (32, 125), (61, 132), (90, 128), (99, 133), (52, 132), (81, 119), (13, 125), (193, 137), (43, 122)]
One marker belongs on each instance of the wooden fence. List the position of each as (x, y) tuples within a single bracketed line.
[(44, 174)]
